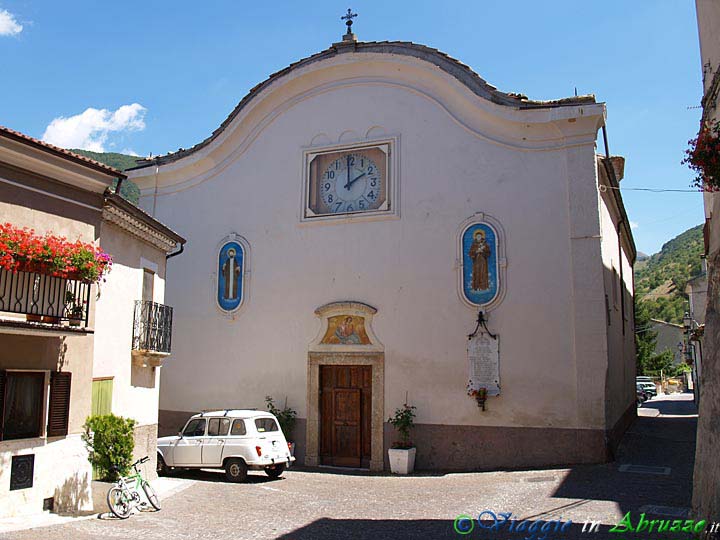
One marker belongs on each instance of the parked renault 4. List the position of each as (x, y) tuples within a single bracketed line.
[(648, 385), (233, 440)]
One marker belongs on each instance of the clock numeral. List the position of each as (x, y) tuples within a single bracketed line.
[(330, 174), (338, 206), (361, 204), (337, 164), (351, 161), (370, 170), (373, 182), (327, 186), (362, 163), (350, 208), (330, 199), (371, 195)]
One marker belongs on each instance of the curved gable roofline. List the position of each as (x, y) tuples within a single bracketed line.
[(447, 63)]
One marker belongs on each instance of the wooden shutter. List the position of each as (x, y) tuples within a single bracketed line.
[(3, 378), (59, 412)]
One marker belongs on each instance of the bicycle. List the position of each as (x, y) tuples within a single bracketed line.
[(124, 496)]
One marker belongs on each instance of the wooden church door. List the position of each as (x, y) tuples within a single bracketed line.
[(345, 399)]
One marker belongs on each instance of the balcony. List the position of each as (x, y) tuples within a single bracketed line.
[(48, 303), (152, 332)]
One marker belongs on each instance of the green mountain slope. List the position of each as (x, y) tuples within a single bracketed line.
[(660, 280), (128, 190)]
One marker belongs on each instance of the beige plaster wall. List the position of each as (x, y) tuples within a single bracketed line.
[(61, 467), (457, 156), (135, 388)]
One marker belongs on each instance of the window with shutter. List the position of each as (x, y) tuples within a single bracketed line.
[(59, 412)]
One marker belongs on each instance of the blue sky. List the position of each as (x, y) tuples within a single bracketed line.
[(154, 76)]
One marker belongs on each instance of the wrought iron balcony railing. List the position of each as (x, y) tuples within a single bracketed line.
[(39, 296), (152, 327)]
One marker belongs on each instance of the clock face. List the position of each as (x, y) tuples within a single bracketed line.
[(350, 181)]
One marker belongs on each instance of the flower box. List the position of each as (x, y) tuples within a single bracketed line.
[(22, 250)]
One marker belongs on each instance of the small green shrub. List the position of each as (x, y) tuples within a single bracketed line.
[(286, 416), (110, 442), (403, 421)]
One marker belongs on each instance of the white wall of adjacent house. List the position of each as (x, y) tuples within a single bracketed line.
[(618, 281), (533, 171), (135, 388)]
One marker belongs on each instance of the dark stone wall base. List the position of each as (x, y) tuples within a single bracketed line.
[(615, 434), (476, 448), (479, 448)]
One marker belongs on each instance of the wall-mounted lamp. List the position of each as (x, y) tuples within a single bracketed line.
[(481, 321)]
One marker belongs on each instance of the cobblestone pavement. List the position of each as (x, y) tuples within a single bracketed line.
[(314, 504)]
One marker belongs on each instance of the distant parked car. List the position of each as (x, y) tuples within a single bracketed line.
[(234, 440), (648, 385), (641, 395)]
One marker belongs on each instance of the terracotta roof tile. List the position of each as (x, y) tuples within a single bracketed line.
[(16, 135)]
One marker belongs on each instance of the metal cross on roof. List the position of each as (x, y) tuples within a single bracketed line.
[(348, 17)]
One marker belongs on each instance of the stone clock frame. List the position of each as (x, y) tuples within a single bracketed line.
[(391, 172), (324, 354)]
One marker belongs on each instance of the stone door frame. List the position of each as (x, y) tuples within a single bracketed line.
[(374, 359), (326, 354)]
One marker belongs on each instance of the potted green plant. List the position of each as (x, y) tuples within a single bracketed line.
[(75, 308), (286, 417), (402, 452)]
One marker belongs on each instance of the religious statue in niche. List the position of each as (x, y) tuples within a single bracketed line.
[(346, 330), (479, 253), (480, 263), (230, 274)]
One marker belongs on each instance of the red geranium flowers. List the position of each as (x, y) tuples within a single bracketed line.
[(23, 250), (703, 157)]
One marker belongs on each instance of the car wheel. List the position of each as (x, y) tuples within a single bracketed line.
[(275, 471), (162, 468), (236, 470)]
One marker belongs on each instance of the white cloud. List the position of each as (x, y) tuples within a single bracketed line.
[(130, 152), (634, 224), (8, 24), (90, 130)]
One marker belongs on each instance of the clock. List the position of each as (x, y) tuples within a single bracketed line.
[(349, 181)]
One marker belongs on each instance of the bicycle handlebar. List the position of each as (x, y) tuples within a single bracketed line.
[(141, 460)]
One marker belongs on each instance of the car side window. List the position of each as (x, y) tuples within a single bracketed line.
[(218, 427), (195, 428), (238, 427), (265, 424)]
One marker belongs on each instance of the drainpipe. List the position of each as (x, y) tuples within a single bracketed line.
[(178, 252)]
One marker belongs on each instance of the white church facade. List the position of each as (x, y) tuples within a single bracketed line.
[(345, 226)]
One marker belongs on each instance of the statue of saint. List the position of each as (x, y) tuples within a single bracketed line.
[(231, 275), (479, 254)]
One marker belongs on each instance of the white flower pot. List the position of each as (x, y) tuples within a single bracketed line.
[(401, 461)]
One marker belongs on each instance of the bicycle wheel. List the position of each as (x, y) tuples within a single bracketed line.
[(119, 503), (151, 496)]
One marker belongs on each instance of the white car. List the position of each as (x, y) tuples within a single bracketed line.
[(234, 440)]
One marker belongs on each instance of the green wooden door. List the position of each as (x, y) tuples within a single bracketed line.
[(102, 396), (101, 403)]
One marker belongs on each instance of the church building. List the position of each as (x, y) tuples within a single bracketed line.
[(377, 225)]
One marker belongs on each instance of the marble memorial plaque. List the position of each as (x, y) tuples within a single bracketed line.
[(484, 363)]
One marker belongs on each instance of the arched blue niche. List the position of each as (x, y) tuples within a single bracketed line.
[(230, 271)]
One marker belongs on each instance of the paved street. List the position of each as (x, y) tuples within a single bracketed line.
[(324, 505)]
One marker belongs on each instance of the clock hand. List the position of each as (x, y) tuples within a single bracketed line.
[(355, 180), (347, 186)]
